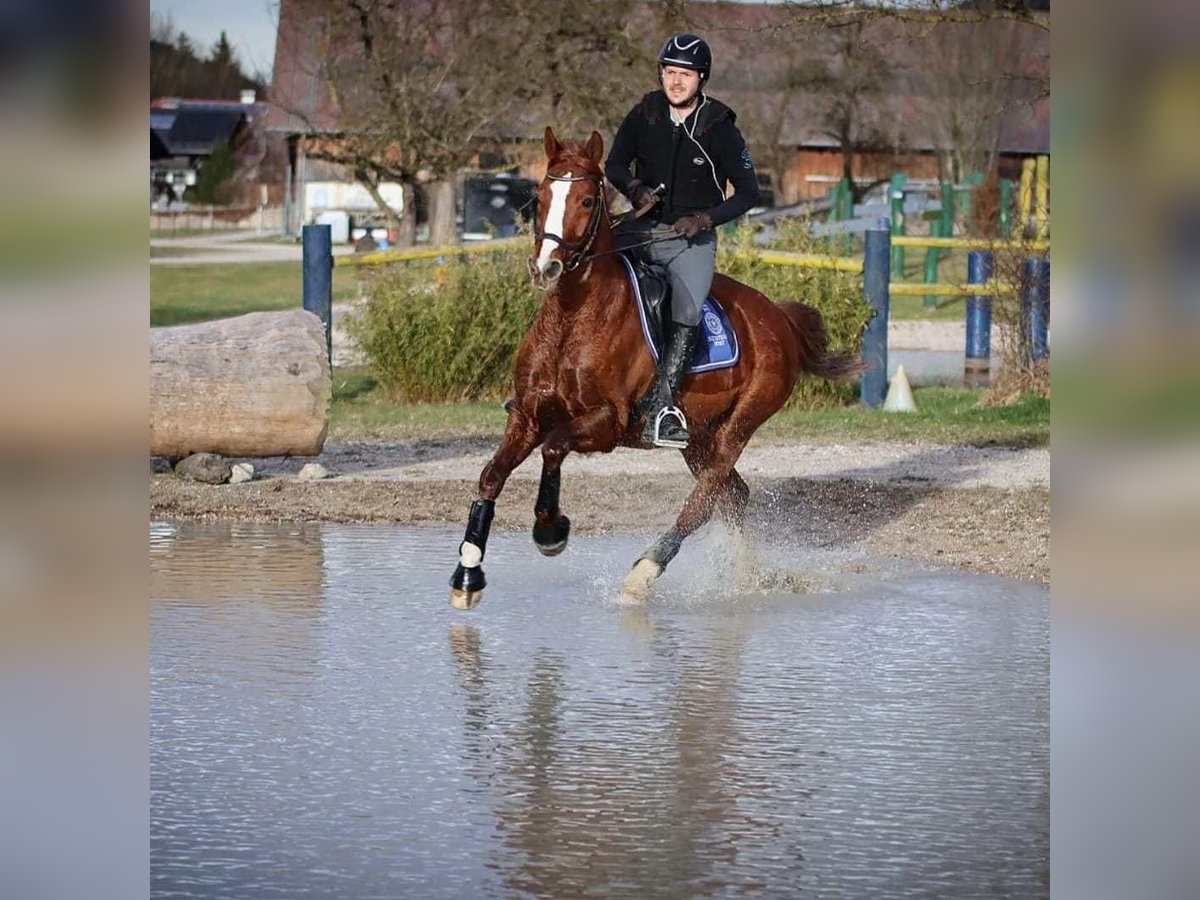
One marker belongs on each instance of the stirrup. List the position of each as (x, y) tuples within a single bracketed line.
[(660, 441)]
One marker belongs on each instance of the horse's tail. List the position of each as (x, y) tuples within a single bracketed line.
[(813, 342)]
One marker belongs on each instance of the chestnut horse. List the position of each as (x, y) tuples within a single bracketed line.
[(584, 364)]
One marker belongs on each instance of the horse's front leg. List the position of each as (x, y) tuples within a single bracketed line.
[(467, 582), (597, 430)]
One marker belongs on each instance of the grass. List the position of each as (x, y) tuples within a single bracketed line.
[(362, 409), (181, 294), (948, 416), (156, 233), (157, 252)]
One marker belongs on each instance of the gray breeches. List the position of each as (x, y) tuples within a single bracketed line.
[(690, 264)]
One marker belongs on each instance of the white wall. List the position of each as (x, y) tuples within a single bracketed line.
[(322, 195)]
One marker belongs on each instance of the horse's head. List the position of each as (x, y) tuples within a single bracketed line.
[(571, 204)]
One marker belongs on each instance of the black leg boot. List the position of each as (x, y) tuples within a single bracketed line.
[(665, 423)]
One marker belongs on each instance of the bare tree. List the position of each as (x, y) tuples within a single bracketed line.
[(420, 87), (848, 78), (971, 79), (413, 92)]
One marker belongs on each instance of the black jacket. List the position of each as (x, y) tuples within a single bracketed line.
[(694, 160)]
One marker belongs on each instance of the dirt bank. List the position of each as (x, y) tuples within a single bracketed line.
[(979, 509)]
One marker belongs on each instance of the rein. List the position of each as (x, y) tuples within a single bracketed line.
[(657, 240)]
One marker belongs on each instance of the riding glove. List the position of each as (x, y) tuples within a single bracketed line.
[(640, 195), (692, 225)]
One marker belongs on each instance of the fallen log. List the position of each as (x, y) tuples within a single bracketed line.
[(254, 385)]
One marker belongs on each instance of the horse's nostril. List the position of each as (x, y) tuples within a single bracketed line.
[(552, 269)]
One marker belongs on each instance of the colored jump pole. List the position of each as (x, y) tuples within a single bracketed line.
[(896, 196), (944, 228), (1006, 204), (977, 364), (1041, 216), (1035, 309), (1025, 198), (318, 278), (876, 275)]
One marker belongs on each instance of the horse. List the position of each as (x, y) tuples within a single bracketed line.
[(583, 365)]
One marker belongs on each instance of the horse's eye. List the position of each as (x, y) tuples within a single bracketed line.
[(587, 202)]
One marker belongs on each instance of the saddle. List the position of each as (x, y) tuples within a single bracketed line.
[(654, 293), (717, 347)]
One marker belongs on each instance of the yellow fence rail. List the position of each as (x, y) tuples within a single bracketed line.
[(901, 240), (385, 257), (807, 260), (774, 257)]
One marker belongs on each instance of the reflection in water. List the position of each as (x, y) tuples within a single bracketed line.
[(649, 806), (356, 737)]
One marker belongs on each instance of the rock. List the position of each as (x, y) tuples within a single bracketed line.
[(313, 472), (254, 385), (241, 472), (204, 467)]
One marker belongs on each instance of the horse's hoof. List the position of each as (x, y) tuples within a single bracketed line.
[(461, 599), (637, 583), (466, 586), (552, 540)]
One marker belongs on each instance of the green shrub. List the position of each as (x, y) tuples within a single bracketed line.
[(450, 332)]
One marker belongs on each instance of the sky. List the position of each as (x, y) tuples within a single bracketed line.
[(250, 25)]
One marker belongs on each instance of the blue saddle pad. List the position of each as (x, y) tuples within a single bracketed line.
[(718, 344)]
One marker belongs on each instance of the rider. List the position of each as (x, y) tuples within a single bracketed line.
[(685, 147)]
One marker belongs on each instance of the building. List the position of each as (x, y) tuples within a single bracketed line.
[(184, 133)]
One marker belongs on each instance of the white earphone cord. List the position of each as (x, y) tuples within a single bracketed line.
[(692, 134)]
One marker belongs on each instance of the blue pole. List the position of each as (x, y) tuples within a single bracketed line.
[(1035, 308), (977, 364), (318, 278), (876, 274)]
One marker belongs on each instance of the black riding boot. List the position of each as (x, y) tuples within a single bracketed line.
[(665, 424)]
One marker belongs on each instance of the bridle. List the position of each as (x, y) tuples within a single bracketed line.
[(579, 249)]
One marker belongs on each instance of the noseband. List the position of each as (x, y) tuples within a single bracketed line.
[(578, 249)]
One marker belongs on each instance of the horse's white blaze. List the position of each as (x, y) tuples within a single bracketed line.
[(471, 556), (554, 219)]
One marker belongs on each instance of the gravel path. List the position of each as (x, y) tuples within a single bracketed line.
[(973, 508), (964, 467)]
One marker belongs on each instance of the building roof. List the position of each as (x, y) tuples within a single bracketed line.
[(194, 127)]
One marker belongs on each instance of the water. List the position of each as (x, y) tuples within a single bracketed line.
[(323, 724)]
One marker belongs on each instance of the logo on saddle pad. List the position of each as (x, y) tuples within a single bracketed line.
[(713, 323)]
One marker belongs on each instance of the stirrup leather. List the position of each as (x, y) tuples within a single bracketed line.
[(675, 411)]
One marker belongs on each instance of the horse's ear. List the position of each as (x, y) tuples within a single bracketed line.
[(550, 142), (595, 146)]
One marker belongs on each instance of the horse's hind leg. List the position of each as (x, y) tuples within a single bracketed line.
[(715, 477), (733, 495), (595, 430), (467, 582)]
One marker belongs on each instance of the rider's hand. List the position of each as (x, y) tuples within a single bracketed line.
[(640, 195), (690, 226)]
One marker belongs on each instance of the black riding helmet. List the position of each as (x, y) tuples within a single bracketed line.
[(687, 51)]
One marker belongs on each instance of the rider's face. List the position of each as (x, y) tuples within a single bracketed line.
[(681, 85)]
